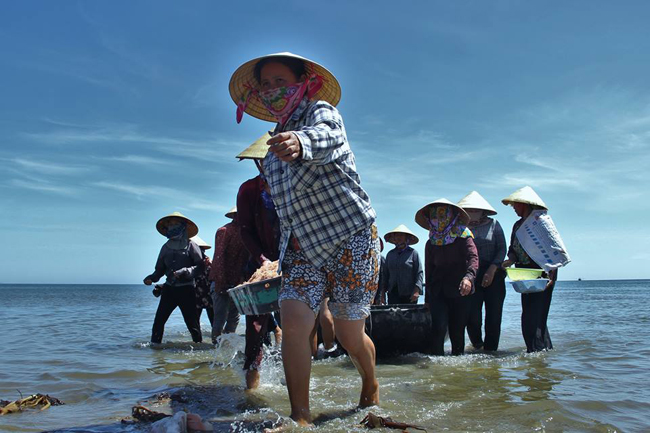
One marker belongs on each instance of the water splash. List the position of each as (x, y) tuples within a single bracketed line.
[(226, 350)]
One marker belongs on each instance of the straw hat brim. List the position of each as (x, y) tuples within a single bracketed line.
[(231, 213), (525, 195), (412, 239), (244, 77), (257, 150), (474, 200), (161, 225), (200, 242), (421, 216)]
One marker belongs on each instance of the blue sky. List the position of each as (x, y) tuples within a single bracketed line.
[(113, 114)]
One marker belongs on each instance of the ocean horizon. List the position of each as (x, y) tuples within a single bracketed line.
[(88, 345)]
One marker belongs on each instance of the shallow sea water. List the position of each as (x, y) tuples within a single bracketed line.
[(88, 346)]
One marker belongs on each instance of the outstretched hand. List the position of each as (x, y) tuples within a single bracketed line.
[(285, 146)]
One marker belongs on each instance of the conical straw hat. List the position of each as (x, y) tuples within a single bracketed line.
[(161, 225), (474, 200), (244, 78), (231, 213), (422, 216), (411, 239), (525, 195), (257, 150), (200, 242)]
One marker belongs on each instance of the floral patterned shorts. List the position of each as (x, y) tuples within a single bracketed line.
[(349, 279)]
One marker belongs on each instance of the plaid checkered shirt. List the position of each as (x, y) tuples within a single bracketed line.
[(318, 197)]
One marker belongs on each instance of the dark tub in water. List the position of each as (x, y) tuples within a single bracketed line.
[(400, 329)]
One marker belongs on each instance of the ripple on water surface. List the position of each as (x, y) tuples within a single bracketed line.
[(89, 347)]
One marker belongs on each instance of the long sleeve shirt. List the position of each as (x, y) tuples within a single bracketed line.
[(259, 226), (187, 263), (383, 281), (490, 243), (404, 271), (318, 196), (518, 255), (446, 265), (230, 257)]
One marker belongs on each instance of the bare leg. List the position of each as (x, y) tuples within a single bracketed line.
[(362, 353), (327, 325), (277, 332), (297, 322), (313, 337)]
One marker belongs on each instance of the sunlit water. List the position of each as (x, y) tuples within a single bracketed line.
[(88, 346)]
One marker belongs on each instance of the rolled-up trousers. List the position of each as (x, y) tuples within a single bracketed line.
[(225, 313)]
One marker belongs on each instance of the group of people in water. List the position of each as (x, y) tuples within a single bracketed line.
[(465, 261), (306, 210)]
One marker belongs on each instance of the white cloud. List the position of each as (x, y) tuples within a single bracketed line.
[(139, 160), (49, 167), (44, 187), (140, 191), (180, 199), (216, 150)]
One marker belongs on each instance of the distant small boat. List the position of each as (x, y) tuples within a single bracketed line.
[(579, 279)]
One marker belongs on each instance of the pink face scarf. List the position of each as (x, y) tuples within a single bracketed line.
[(444, 226), (282, 101)]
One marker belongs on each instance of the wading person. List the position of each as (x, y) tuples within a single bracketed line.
[(328, 238), (403, 267), (180, 261), (450, 265), (380, 295), (490, 287), (259, 228), (202, 283), (227, 271), (534, 306)]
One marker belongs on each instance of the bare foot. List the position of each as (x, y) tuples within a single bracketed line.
[(303, 422), (252, 379), (369, 395), (287, 425), (278, 336)]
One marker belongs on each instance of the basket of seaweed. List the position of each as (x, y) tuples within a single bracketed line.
[(259, 295)]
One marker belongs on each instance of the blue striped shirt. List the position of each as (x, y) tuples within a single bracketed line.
[(318, 196)]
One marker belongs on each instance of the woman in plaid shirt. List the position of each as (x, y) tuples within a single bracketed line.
[(329, 243)]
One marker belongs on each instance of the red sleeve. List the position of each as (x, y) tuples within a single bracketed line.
[(217, 271), (471, 259), (246, 199)]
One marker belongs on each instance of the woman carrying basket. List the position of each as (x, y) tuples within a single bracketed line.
[(328, 238)]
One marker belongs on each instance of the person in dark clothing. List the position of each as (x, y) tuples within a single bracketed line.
[(260, 233), (180, 260), (490, 285), (403, 267), (228, 270), (382, 285), (534, 306), (202, 283), (451, 262)]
